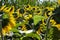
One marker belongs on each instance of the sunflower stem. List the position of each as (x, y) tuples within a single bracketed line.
[(48, 27)]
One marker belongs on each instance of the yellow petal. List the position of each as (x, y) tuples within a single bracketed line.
[(30, 15), (12, 10), (5, 10), (58, 26), (2, 7), (9, 27), (3, 32), (52, 22), (59, 2)]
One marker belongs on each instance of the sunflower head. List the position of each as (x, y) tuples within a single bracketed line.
[(8, 20), (48, 13), (50, 8), (15, 15), (28, 7), (21, 11), (34, 8), (38, 12)]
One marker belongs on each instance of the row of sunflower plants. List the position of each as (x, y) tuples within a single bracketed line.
[(30, 21)]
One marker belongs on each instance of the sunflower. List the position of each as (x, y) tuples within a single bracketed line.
[(42, 7), (24, 28), (26, 17), (48, 11), (41, 26), (59, 2), (20, 12), (30, 15), (53, 22), (50, 8), (34, 8), (28, 7), (8, 21), (39, 30), (39, 12), (22, 17), (58, 26)]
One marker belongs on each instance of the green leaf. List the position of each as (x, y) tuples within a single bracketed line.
[(20, 24), (37, 18), (5, 16), (17, 34), (34, 35), (32, 2), (14, 30)]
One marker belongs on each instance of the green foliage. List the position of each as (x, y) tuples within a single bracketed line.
[(50, 33), (17, 34), (32, 35), (15, 30), (53, 34), (46, 3), (37, 18), (56, 34), (5, 16)]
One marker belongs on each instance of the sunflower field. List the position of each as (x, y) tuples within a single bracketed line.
[(29, 20)]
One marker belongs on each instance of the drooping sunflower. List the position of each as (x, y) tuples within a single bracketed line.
[(8, 20)]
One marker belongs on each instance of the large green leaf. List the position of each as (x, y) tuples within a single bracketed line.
[(37, 18)]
